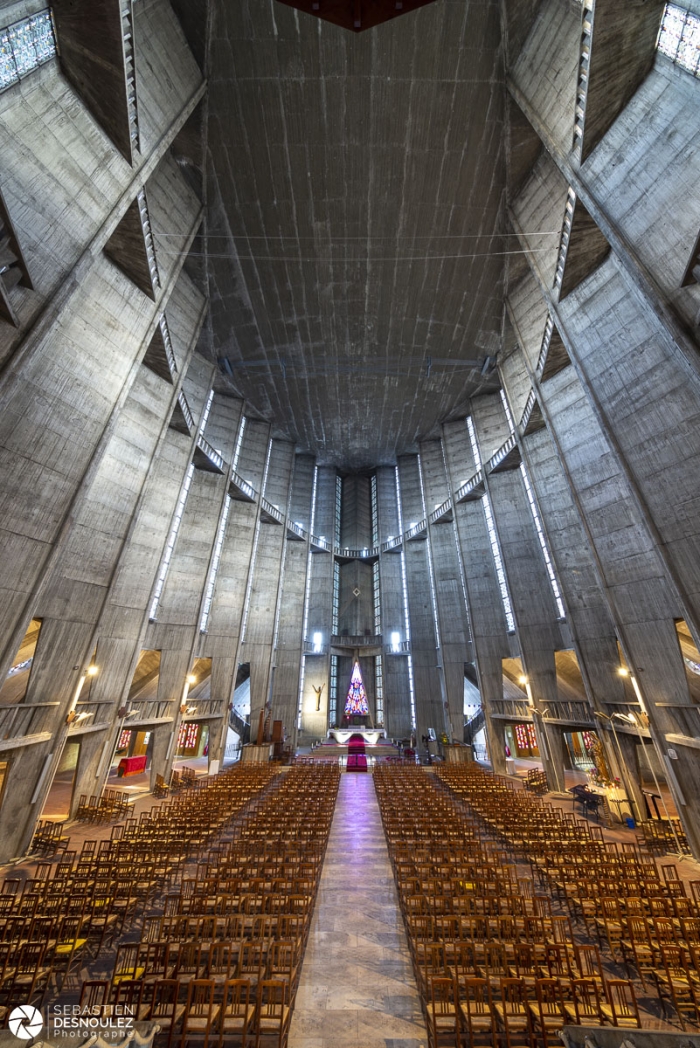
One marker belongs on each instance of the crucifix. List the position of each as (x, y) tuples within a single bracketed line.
[(319, 692)]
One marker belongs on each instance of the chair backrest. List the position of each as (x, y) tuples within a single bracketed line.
[(165, 998), (477, 996), (236, 997), (272, 997), (441, 992), (586, 999), (94, 993), (200, 998), (588, 960), (548, 995), (623, 1001)]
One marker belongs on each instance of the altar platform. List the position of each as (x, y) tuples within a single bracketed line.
[(371, 736)]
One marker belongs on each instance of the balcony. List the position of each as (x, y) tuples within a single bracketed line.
[(181, 419), (402, 648), (150, 711), (472, 489), (364, 640), (240, 490), (320, 545), (417, 533), (270, 514), (442, 514), (532, 418), (367, 553), (295, 532), (392, 545), (203, 709), (315, 649), (207, 458), (507, 457), (26, 723)]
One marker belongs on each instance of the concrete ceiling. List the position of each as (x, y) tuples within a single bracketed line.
[(356, 195)]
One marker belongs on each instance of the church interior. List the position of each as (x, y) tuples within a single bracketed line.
[(350, 523)]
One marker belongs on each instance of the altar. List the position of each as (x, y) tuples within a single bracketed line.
[(370, 735)]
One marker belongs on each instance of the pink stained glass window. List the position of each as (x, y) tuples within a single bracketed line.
[(356, 702)]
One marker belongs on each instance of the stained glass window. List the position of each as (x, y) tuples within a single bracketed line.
[(521, 737), (188, 736), (25, 46), (356, 703), (679, 38), (124, 739)]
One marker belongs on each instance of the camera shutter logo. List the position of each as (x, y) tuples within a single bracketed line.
[(25, 1022)]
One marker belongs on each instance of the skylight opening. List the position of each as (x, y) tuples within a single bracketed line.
[(24, 46), (679, 38)]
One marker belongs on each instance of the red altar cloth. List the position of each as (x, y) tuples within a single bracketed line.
[(131, 766)]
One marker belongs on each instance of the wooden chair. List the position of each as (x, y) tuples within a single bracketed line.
[(165, 1008), (476, 1014), (584, 1008), (273, 1013), (547, 1015), (675, 984), (237, 1011), (513, 1013), (442, 1020), (622, 1009), (201, 1013)]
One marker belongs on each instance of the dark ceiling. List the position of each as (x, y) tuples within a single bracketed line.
[(356, 193)]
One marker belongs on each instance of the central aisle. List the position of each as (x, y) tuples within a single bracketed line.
[(357, 985)]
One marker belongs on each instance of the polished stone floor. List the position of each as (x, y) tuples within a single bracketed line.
[(357, 985)]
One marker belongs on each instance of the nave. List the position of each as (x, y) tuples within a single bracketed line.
[(306, 907)]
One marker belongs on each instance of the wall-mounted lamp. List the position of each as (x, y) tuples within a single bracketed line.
[(92, 670), (191, 679), (522, 679), (623, 671)]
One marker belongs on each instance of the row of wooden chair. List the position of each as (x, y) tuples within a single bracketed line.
[(216, 1012), (226, 942), (493, 960)]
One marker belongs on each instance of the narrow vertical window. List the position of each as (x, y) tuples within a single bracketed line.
[(218, 546), (239, 444), (307, 598), (404, 590), (336, 596), (375, 511), (377, 599), (170, 545), (333, 691), (556, 592), (433, 592), (493, 538), (379, 691), (338, 507)]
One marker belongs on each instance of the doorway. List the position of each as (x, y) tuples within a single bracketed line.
[(59, 799)]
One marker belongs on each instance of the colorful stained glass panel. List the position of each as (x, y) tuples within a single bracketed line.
[(356, 704)]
